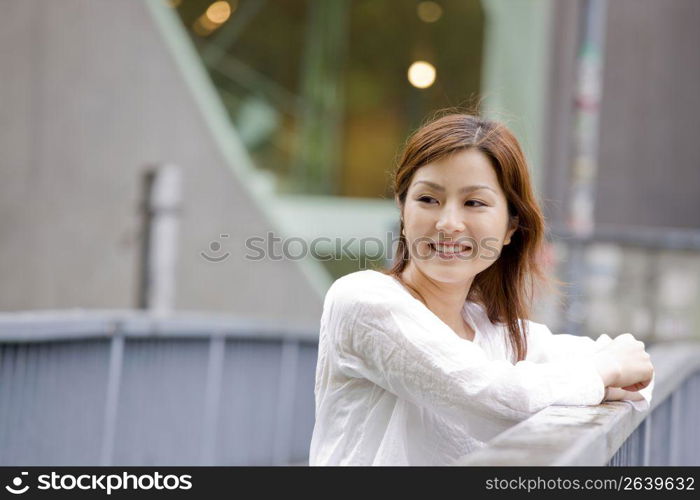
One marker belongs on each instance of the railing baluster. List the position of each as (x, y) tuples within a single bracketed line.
[(646, 440), (675, 437), (215, 370), (116, 355), (285, 404)]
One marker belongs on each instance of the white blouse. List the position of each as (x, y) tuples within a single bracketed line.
[(396, 386)]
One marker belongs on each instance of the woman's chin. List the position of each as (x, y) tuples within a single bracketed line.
[(453, 274)]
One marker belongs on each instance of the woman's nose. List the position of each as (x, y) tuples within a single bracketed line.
[(450, 222)]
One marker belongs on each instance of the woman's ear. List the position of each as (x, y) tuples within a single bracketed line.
[(514, 221), (399, 206)]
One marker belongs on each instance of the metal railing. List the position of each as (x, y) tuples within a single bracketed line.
[(131, 388), (613, 433)]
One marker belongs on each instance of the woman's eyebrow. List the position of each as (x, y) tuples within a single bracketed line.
[(465, 189)]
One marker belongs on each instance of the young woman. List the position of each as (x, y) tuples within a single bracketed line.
[(421, 364)]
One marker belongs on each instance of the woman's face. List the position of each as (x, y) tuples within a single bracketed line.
[(456, 199)]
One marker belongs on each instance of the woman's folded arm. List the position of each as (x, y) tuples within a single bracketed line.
[(384, 342), (544, 346)]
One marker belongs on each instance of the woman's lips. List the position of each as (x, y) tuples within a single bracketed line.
[(450, 251)]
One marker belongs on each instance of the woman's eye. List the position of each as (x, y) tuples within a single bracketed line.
[(425, 199), (471, 203)]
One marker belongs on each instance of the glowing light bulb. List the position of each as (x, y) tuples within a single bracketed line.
[(215, 15), (219, 12), (421, 74)]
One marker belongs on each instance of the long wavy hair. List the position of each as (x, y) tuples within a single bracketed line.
[(506, 288)]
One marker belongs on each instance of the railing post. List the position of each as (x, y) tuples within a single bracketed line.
[(646, 440), (285, 402), (675, 430), (217, 344), (116, 355)]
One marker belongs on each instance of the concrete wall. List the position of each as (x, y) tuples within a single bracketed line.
[(650, 161), (91, 95), (648, 166)]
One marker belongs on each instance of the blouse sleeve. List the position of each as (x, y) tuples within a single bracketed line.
[(384, 342), (544, 346)]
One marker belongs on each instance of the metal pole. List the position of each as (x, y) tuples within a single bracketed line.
[(585, 163), (316, 167), (587, 118), (164, 188)]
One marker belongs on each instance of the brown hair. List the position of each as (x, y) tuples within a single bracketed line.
[(506, 288)]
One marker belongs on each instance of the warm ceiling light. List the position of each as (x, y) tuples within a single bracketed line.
[(429, 12), (421, 74), (215, 15), (219, 12)]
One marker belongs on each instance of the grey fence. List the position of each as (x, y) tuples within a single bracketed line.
[(613, 433), (127, 388)]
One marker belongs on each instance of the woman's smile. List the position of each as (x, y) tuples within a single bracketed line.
[(450, 251)]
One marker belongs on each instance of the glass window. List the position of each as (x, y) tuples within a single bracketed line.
[(324, 93)]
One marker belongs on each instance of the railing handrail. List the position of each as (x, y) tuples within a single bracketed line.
[(74, 324), (651, 238), (587, 435)]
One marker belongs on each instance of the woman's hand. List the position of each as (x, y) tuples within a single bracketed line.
[(623, 363), (618, 394), (638, 386)]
